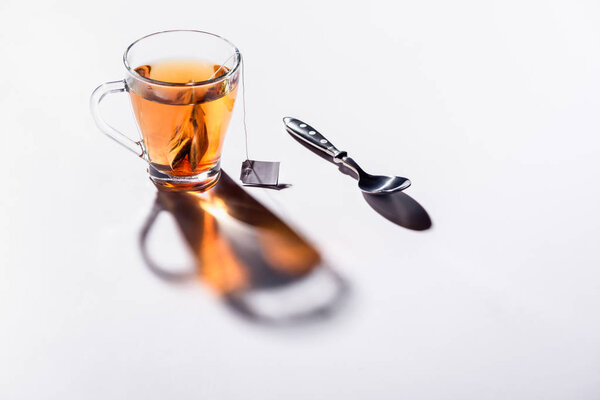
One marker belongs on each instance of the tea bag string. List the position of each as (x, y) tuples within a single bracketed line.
[(243, 95)]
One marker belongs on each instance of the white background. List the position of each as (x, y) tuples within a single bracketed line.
[(490, 107)]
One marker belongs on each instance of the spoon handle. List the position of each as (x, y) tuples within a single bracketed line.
[(308, 134)]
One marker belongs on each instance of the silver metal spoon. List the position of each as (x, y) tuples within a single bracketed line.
[(366, 182)]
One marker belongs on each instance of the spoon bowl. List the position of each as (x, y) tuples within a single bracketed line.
[(382, 184)]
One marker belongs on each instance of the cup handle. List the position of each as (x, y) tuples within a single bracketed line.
[(97, 96)]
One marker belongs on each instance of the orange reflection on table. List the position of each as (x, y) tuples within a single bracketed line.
[(239, 246)]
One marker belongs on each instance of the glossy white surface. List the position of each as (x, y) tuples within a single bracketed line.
[(490, 108)]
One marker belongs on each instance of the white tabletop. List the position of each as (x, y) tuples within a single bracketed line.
[(490, 108)]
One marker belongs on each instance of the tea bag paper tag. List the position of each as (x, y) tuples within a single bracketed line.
[(260, 173), (257, 173)]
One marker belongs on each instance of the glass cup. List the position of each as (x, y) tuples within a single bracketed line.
[(182, 86)]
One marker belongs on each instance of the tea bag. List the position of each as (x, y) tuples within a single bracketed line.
[(256, 173), (190, 138)]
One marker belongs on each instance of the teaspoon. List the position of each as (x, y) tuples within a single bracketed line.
[(366, 182)]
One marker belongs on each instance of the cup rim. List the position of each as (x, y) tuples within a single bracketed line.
[(229, 73)]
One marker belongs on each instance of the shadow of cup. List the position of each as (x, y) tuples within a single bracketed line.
[(262, 268)]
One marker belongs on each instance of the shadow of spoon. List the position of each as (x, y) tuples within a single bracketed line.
[(401, 209), (398, 207)]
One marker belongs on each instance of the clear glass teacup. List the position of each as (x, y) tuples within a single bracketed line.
[(182, 85)]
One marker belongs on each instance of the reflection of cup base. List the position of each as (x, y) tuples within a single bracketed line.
[(200, 182)]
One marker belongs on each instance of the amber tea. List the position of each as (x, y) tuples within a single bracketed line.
[(182, 85), (183, 128)]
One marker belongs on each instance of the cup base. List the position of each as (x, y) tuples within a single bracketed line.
[(200, 182)]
